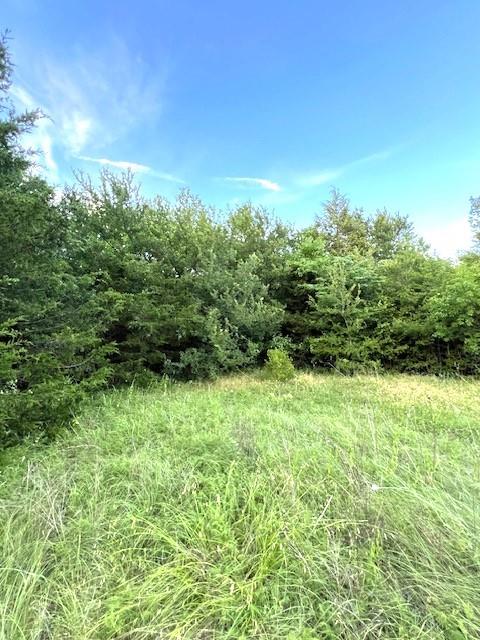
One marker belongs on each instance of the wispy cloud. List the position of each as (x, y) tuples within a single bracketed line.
[(46, 145), (379, 155), (41, 138), (168, 177), (135, 167), (269, 185), (99, 96), (92, 100), (76, 130), (316, 179), (118, 164), (23, 97)]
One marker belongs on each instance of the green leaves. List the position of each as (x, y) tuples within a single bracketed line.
[(279, 365), (52, 352), (353, 309), (455, 313)]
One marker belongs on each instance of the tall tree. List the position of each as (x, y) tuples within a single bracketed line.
[(49, 349), (343, 229), (388, 234)]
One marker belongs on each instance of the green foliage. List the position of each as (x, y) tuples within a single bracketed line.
[(51, 353), (187, 302), (356, 307), (284, 343), (475, 219), (346, 230), (409, 281), (455, 314), (279, 365)]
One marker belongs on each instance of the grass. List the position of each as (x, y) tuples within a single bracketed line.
[(324, 508)]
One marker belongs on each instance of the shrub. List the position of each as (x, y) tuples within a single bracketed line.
[(352, 367), (278, 365), (283, 343)]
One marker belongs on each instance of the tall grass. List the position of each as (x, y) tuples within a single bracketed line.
[(323, 508)]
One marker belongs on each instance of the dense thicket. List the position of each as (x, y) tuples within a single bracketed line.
[(99, 286)]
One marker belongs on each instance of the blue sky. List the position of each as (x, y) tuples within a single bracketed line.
[(272, 102)]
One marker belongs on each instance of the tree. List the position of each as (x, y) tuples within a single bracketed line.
[(389, 234), (455, 313), (252, 230), (343, 229), (346, 230), (182, 297), (475, 219), (405, 330), (335, 313), (50, 353)]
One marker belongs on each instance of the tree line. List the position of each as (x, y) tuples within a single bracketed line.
[(101, 287)]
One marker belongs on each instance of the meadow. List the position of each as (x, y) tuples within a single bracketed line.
[(324, 508)]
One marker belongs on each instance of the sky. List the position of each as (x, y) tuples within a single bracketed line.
[(274, 102)]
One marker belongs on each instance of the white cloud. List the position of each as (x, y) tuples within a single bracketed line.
[(168, 177), (93, 99), (76, 130), (40, 138), (46, 147), (259, 182), (449, 238), (119, 164), (379, 155), (328, 175), (317, 179), (99, 96), (135, 167), (23, 97)]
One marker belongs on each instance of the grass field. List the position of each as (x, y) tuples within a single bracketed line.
[(326, 508)]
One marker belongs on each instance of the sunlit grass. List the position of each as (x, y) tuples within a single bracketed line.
[(325, 508)]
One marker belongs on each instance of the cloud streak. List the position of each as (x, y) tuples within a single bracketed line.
[(269, 185), (135, 167), (75, 132), (100, 96), (317, 179), (41, 138), (96, 98), (328, 175), (118, 164)]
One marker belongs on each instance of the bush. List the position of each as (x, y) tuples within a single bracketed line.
[(283, 343), (278, 365), (352, 367)]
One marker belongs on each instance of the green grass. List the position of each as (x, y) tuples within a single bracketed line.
[(323, 508)]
